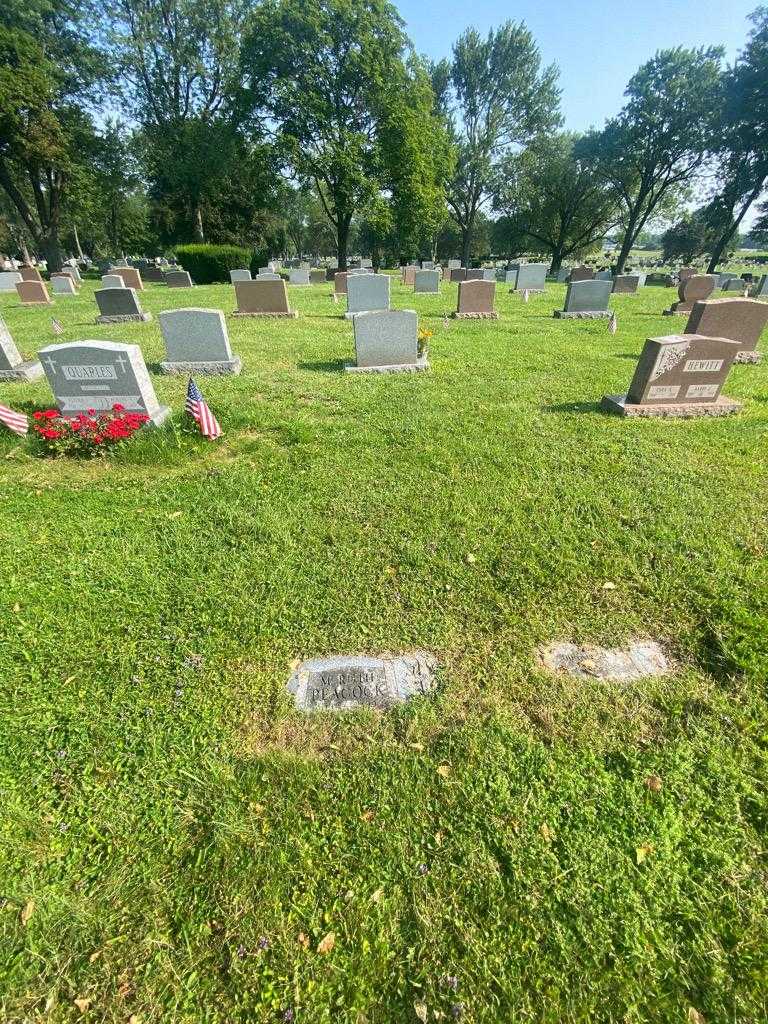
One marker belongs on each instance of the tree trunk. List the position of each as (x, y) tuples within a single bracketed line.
[(80, 255), (722, 243), (51, 249), (197, 224), (557, 262), (342, 238), (24, 250), (466, 244)]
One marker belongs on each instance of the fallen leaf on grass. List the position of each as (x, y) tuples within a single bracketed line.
[(546, 833), (82, 1004), (17, 608), (416, 746), (653, 782), (174, 515), (325, 945), (444, 770), (642, 852), (694, 1016), (377, 896), (471, 558), (27, 912), (303, 940), (420, 1009), (134, 1019), (368, 815), (94, 957), (609, 586)]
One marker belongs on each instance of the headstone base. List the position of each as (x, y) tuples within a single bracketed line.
[(748, 357), (584, 314), (475, 316), (160, 416), (531, 291), (292, 315), (30, 370), (142, 318), (42, 302), (351, 316), (679, 309), (417, 367), (671, 410), (213, 369)]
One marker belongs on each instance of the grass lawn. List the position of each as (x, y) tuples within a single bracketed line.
[(176, 841)]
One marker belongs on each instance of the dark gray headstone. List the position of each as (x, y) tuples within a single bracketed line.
[(117, 305)]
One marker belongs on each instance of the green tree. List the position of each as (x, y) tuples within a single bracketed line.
[(498, 96), (180, 77), (50, 69), (688, 239), (743, 140), (555, 201), (350, 108), (660, 138)]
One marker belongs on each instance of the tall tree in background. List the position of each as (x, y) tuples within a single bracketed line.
[(179, 66), (331, 75), (555, 201), (498, 96), (660, 138), (49, 70), (743, 140)]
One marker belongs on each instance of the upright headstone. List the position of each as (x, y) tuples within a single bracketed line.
[(489, 274), (758, 291), (196, 341), (262, 298), (454, 264), (239, 275), (367, 292), (119, 305), (626, 284), (97, 375), (581, 273), (74, 273), (531, 277), (680, 375), (603, 275), (387, 342), (427, 264), (685, 272), (178, 279), (692, 289), (458, 274), (9, 279), (12, 366), (586, 300), (474, 274), (340, 282), (562, 275), (735, 284), (153, 274), (427, 281), (299, 277), (408, 275), (63, 284), (476, 300), (741, 320), (318, 276), (508, 276), (33, 293), (112, 281), (30, 274), (132, 278)]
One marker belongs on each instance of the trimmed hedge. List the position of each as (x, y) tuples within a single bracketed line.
[(210, 263)]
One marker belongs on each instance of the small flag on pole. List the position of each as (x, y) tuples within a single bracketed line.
[(613, 323), (200, 413), (526, 295), (15, 421), (56, 325)]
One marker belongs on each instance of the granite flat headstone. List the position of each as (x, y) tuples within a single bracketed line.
[(476, 299), (33, 293), (196, 341), (427, 281), (299, 277), (318, 276), (12, 366), (96, 375), (119, 305), (132, 278), (626, 284), (340, 282), (367, 292), (63, 284), (262, 298), (387, 342), (345, 682), (586, 300), (692, 289), (680, 375), (239, 275), (741, 320), (581, 273)]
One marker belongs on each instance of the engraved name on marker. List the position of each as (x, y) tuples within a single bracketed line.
[(702, 365)]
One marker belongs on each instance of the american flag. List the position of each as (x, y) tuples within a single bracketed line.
[(613, 323), (526, 295), (199, 411), (56, 325), (15, 421)]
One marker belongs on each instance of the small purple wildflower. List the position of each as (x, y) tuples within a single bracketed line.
[(457, 1011), (61, 754), (450, 981), (263, 942), (63, 826), (287, 1016), (423, 869), (241, 951)]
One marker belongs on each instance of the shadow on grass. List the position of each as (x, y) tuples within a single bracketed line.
[(324, 366), (572, 407), (626, 355)]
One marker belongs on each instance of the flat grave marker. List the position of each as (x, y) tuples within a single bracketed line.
[(345, 682)]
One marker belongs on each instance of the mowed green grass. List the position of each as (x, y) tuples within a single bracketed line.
[(177, 840)]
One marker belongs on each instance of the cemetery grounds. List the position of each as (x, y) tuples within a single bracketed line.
[(178, 844)]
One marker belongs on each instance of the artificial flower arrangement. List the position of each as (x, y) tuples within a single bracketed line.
[(89, 433), (424, 336)]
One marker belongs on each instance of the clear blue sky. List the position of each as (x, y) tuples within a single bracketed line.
[(597, 44)]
